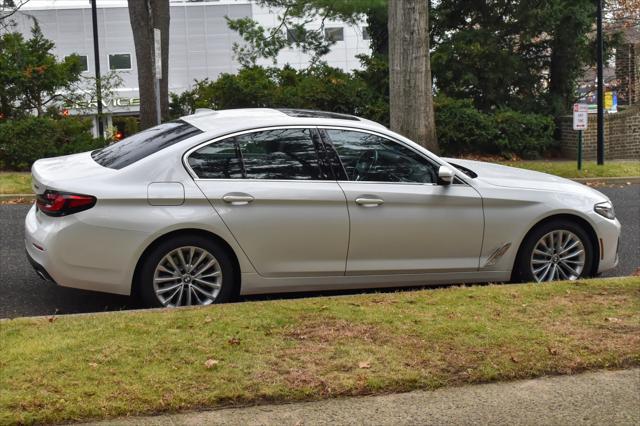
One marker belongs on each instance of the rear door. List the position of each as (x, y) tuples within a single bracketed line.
[(278, 199), (402, 221)]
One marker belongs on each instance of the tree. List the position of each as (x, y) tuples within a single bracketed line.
[(410, 89), (145, 16), (570, 49), (31, 78)]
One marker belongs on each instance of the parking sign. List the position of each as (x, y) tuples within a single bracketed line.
[(580, 116)]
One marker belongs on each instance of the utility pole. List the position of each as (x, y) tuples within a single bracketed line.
[(96, 56), (600, 88)]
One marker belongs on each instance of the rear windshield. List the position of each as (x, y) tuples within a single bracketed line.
[(142, 144)]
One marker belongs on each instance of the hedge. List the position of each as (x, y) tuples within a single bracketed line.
[(24, 140)]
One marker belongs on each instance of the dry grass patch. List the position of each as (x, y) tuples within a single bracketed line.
[(128, 363)]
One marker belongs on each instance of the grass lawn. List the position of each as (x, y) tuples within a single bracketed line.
[(15, 183), (71, 368), (568, 169)]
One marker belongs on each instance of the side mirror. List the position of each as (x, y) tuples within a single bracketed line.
[(445, 175)]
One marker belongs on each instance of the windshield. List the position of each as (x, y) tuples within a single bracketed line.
[(142, 144)]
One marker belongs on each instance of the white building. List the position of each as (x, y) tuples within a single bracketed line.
[(200, 40)]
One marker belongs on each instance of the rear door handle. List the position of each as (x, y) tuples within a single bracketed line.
[(369, 201), (237, 199)]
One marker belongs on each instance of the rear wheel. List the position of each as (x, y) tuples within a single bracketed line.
[(556, 250), (187, 270)]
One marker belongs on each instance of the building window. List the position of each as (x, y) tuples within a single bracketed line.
[(84, 65), (365, 33), (334, 34), (120, 61), (292, 36)]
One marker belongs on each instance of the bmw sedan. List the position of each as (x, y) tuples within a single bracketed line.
[(221, 203)]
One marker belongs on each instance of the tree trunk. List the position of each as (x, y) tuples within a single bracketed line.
[(144, 16), (410, 91)]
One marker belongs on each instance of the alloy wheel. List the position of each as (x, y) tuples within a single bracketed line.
[(558, 255), (187, 276)]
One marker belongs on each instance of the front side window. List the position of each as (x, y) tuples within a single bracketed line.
[(369, 157), (140, 145), (282, 154)]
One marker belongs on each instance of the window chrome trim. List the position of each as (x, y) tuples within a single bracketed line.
[(195, 177)]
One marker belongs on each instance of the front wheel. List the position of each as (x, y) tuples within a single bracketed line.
[(186, 270), (557, 250)]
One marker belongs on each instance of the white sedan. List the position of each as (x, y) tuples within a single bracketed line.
[(221, 203)]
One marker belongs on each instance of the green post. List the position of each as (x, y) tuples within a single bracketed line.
[(579, 149)]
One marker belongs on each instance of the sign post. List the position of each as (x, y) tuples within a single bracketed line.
[(580, 122), (158, 63)]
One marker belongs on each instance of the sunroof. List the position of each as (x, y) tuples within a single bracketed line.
[(309, 113)]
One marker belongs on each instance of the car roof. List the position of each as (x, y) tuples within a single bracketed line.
[(229, 120)]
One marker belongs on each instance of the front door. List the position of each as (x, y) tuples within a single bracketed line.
[(402, 221), (278, 200)]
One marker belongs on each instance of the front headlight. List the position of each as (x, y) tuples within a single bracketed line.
[(605, 209)]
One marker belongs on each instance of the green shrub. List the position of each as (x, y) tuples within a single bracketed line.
[(462, 129), (526, 135), (23, 141), (320, 87)]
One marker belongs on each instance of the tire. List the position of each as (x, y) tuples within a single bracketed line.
[(562, 264), (171, 275)]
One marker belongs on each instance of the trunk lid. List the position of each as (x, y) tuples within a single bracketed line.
[(66, 173)]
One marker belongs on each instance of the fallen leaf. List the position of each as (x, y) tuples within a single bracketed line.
[(514, 359), (234, 341), (210, 363), (552, 351), (207, 320), (93, 365), (364, 364), (612, 319)]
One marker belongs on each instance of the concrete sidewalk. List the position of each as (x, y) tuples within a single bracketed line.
[(600, 398)]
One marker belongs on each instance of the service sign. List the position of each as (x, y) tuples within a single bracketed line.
[(580, 116)]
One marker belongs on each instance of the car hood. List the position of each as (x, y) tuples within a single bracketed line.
[(513, 177)]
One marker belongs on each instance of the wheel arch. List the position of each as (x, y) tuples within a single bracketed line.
[(580, 221), (186, 231)]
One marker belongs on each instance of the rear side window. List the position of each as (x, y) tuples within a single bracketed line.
[(282, 154), (143, 144)]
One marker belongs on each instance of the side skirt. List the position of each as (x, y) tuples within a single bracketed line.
[(255, 284)]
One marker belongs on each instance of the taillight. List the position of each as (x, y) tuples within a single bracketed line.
[(54, 203)]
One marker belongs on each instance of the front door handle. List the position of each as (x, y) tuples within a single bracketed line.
[(237, 199), (369, 201)]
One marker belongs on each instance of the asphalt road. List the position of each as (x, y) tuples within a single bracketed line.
[(23, 293)]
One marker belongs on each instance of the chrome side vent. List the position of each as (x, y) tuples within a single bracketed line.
[(496, 255)]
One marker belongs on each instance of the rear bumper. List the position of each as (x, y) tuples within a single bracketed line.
[(58, 250), (40, 270)]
